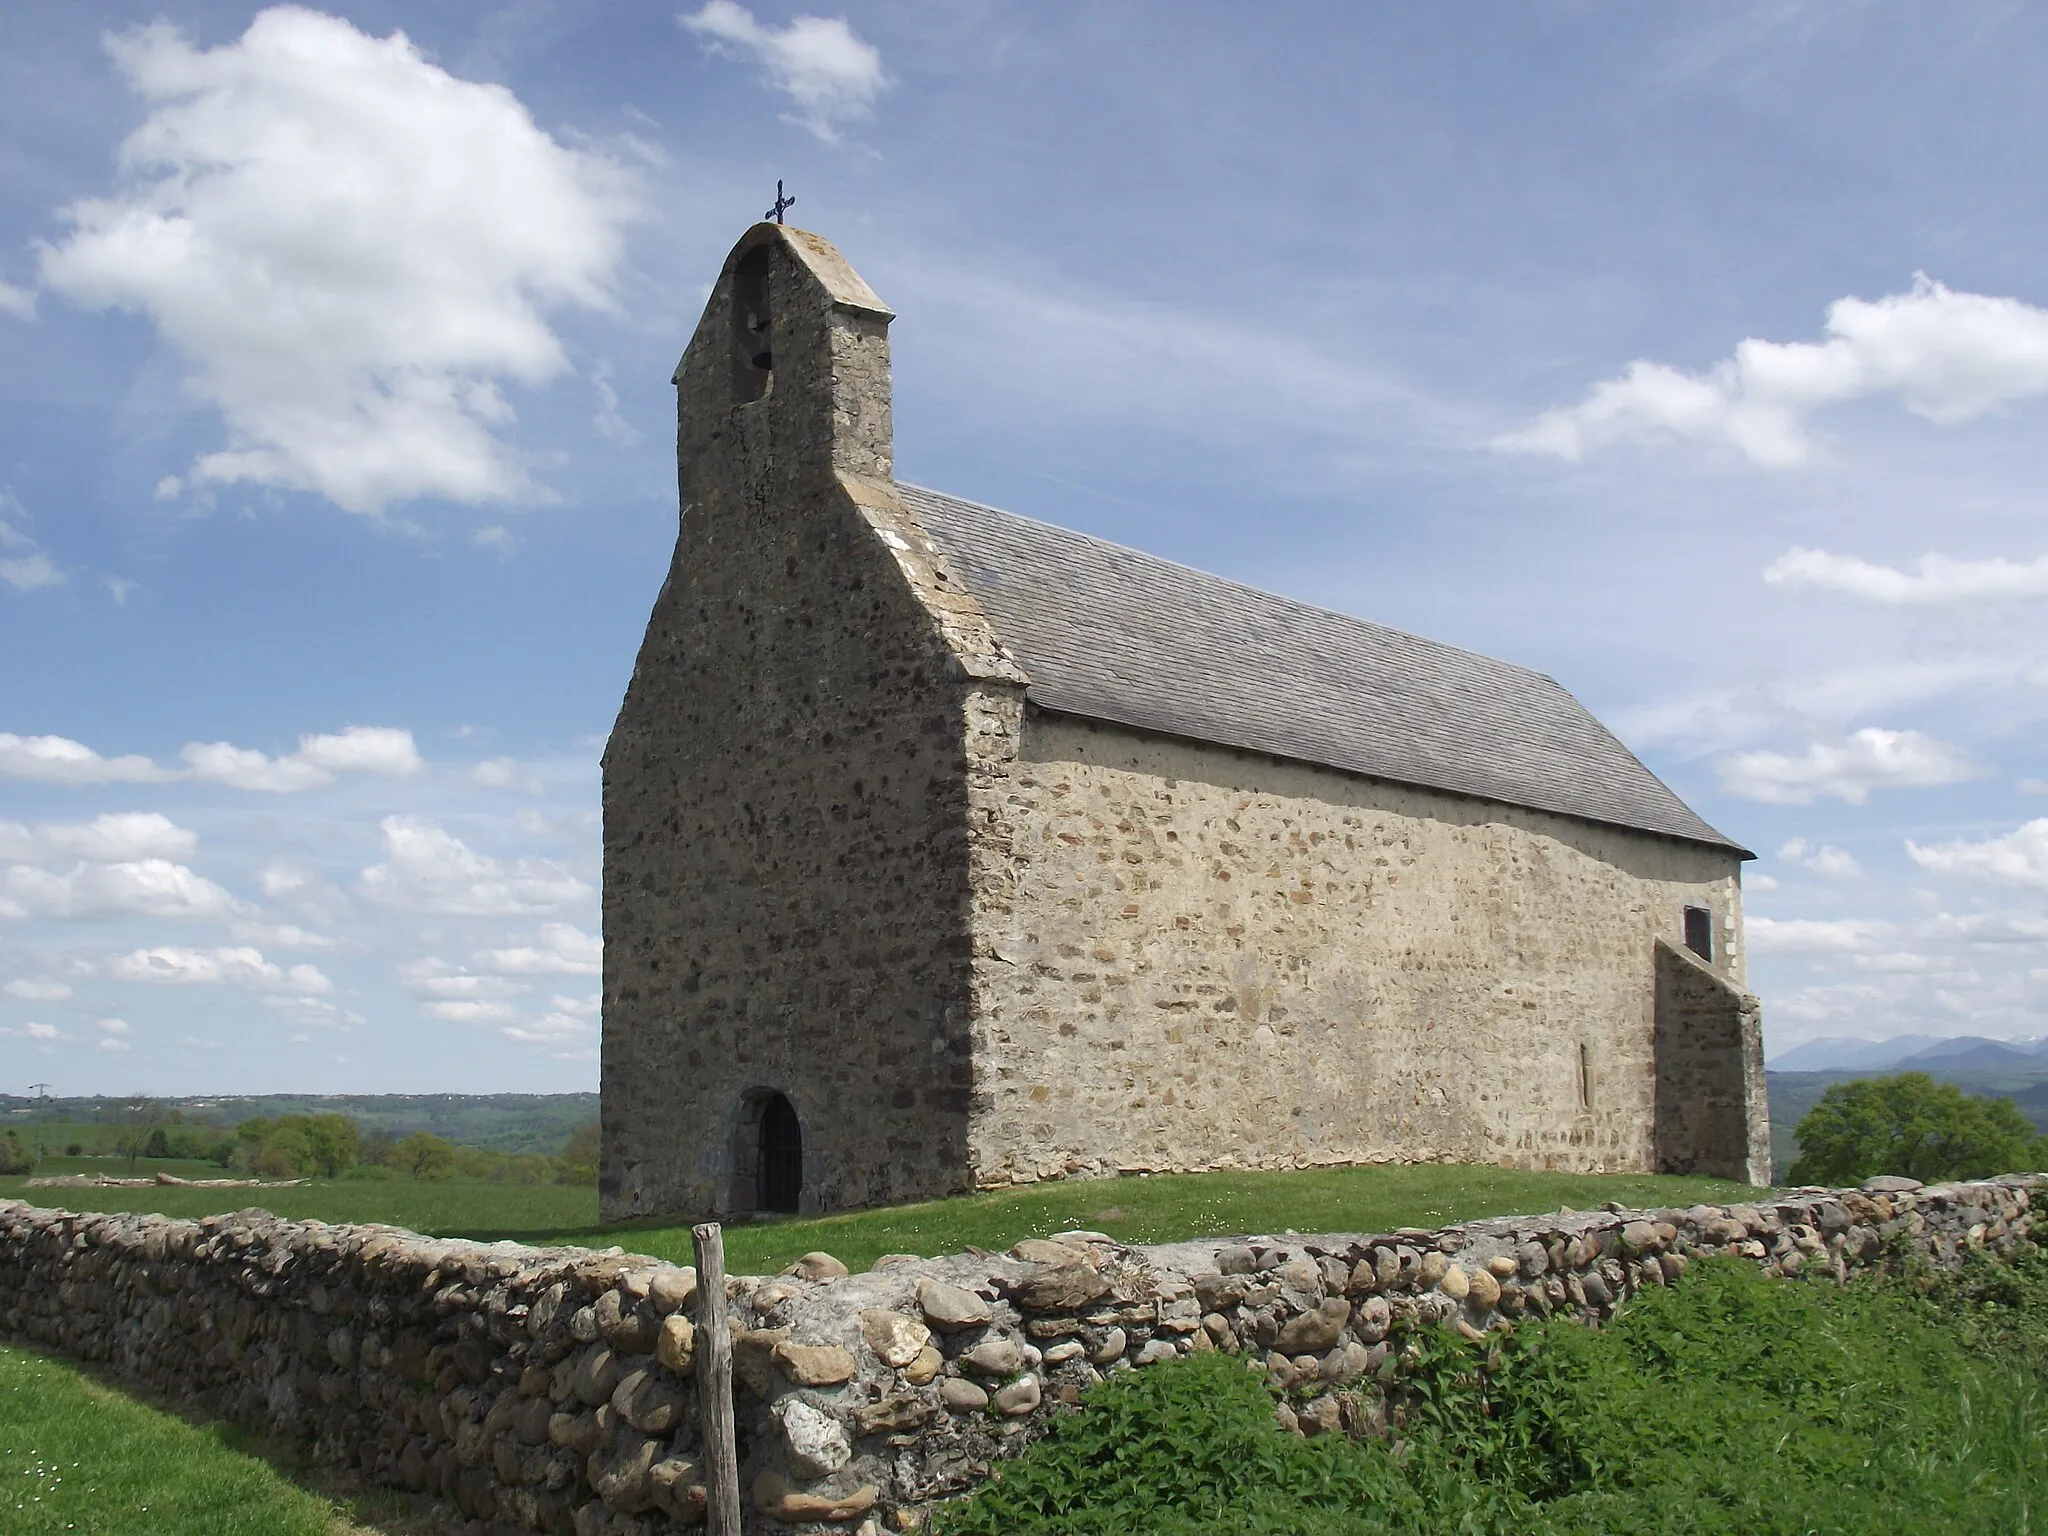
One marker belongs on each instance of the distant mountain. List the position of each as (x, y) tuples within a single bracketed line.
[(1912, 1053), (1973, 1053), (1850, 1053)]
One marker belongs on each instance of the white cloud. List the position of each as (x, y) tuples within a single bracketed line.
[(149, 887), (434, 977), (427, 869), (226, 966), (1723, 718), (279, 880), (109, 1045), (220, 762), (1938, 579), (113, 1027), (550, 1029), (283, 936), (1826, 860), (1760, 882), (32, 991), (562, 950), (469, 1011), (1846, 770), (18, 302), (1945, 356), (350, 248), (820, 63), (1992, 928), (504, 773), (1807, 936), (60, 760), (2018, 858), (382, 750), (40, 1031), (316, 1011), (107, 839), (23, 565)]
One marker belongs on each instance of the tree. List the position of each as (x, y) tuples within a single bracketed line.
[(333, 1141), (579, 1157), (137, 1117), (426, 1156), (14, 1154), (1914, 1126)]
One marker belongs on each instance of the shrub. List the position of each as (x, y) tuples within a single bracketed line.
[(1911, 1125), (15, 1156), (578, 1162), (1731, 1403), (74, 1149), (426, 1156)]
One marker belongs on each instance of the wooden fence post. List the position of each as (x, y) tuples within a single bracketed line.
[(714, 1385)]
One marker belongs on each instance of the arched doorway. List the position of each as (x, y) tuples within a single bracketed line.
[(779, 1185)]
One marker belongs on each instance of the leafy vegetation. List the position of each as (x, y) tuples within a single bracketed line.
[(504, 1122), (1910, 1124), (1731, 1403), (1793, 1094), (75, 1456), (327, 1145)]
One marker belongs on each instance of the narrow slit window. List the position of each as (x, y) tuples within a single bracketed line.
[(1585, 1077), (753, 339), (1699, 932)]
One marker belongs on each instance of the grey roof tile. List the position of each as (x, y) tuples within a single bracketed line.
[(1111, 633)]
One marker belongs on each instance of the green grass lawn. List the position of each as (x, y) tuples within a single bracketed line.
[(1160, 1208), (75, 1456)]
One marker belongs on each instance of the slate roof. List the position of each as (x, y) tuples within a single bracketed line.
[(1111, 633)]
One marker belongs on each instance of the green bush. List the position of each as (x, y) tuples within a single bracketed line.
[(425, 1156), (15, 1154), (1730, 1403), (1912, 1125)]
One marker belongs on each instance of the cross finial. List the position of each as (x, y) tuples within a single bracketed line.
[(781, 203)]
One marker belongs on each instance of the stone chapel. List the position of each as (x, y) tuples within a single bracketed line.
[(947, 849)]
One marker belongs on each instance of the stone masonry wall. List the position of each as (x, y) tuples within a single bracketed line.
[(785, 891), (1208, 958), (553, 1390)]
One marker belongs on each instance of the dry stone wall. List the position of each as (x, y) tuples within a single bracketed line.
[(1207, 958), (554, 1390)]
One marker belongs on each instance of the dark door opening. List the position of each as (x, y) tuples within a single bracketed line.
[(782, 1157)]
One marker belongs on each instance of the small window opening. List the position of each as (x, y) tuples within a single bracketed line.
[(753, 349), (1585, 1077), (781, 1179), (1699, 932)]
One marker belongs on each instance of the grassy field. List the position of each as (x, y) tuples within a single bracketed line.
[(1135, 1209), (75, 1456), (1729, 1404)]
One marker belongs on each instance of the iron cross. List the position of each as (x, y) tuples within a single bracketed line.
[(781, 203)]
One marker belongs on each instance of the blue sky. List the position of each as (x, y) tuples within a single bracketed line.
[(1697, 356)]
